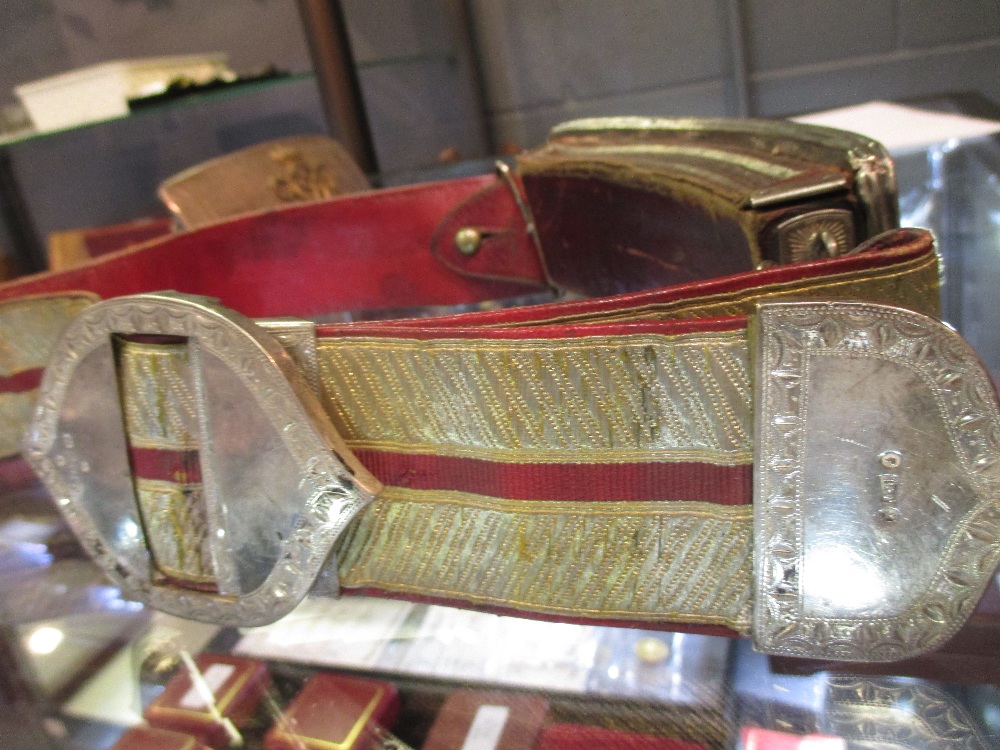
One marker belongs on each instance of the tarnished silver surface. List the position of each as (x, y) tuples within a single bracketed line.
[(877, 482), (891, 713), (280, 485)]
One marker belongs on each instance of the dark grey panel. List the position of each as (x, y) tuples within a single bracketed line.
[(784, 33), (529, 128), (252, 32), (522, 56), (419, 109), (927, 22), (899, 76), (640, 45), (396, 29), (30, 44)]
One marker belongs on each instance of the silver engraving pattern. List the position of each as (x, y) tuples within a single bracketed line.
[(335, 493), (790, 337), (887, 713)]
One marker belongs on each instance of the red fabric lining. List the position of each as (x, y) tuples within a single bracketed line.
[(181, 467), (585, 737), (21, 382), (646, 481)]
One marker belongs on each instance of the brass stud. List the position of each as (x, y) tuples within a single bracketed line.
[(468, 240), (651, 650)]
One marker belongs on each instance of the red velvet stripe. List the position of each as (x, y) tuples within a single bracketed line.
[(16, 474), (21, 382), (647, 481), (182, 467)]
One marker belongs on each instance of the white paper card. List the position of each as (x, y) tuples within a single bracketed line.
[(901, 129), (214, 677), (486, 728), (347, 632)]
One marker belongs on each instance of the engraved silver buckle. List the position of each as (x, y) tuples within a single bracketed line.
[(279, 486), (876, 481)]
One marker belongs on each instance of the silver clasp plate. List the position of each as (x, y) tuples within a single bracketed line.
[(877, 481), (228, 506)]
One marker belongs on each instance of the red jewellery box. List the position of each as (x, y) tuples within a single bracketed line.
[(333, 712), (150, 738), (755, 738), (481, 720), (238, 686), (583, 737)]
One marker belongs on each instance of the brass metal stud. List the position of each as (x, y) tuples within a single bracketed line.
[(468, 240)]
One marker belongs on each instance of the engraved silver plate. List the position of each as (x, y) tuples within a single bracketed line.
[(877, 481), (892, 712), (279, 485)]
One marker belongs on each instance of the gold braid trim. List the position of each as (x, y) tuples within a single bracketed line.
[(601, 399), (654, 562), (160, 408), (176, 529), (29, 329)]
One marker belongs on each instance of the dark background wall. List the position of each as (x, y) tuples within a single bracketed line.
[(41, 38), (544, 61), (549, 60)]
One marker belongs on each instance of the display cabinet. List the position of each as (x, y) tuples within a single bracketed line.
[(86, 668)]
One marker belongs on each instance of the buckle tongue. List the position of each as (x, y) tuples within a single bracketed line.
[(217, 498), (877, 481)]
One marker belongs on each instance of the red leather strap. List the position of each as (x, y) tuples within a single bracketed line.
[(361, 252)]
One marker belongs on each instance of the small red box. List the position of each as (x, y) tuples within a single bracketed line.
[(335, 712), (755, 738), (238, 686), (583, 737), (487, 720), (150, 738)]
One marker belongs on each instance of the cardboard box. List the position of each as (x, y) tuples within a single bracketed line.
[(348, 713), (487, 720), (238, 686)]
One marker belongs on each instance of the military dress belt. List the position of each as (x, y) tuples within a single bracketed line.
[(801, 453)]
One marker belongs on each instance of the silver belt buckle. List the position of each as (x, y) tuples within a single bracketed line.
[(277, 485), (876, 481)]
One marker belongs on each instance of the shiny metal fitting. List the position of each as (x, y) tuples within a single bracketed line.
[(278, 484), (468, 240), (876, 481)]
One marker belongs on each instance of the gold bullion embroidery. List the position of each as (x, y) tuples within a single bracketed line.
[(160, 409), (176, 529), (655, 562), (29, 328), (161, 413), (15, 413), (594, 399)]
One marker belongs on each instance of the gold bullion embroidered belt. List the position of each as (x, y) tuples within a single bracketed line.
[(776, 439)]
